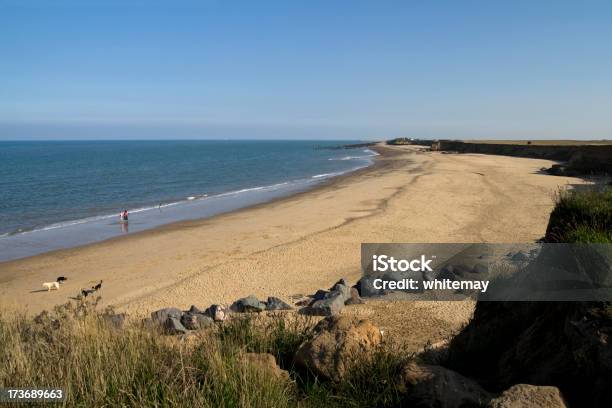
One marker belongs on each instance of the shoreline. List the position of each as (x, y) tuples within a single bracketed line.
[(215, 205), (297, 244), (194, 222)]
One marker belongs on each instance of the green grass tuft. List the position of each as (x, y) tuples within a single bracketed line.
[(581, 216)]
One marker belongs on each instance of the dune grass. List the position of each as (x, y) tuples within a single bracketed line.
[(79, 350), (76, 349), (581, 217)]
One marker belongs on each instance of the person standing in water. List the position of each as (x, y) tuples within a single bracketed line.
[(124, 215)]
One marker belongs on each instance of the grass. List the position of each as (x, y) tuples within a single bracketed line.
[(581, 216), (76, 348)]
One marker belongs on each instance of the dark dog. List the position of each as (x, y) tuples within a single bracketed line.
[(61, 279), (98, 286), (87, 292)]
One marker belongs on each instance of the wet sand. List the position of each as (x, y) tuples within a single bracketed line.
[(301, 243)]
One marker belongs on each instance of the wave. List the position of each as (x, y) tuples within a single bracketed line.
[(348, 158), (316, 176), (192, 198), (70, 223), (368, 156)]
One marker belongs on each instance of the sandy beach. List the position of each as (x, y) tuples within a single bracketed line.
[(296, 245)]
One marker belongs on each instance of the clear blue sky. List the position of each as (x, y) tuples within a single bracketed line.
[(305, 69)]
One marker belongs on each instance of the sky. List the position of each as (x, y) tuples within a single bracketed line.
[(121, 69)]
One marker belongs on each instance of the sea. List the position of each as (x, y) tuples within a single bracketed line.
[(61, 194)]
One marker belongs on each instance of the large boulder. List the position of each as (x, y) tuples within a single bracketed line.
[(196, 321), (329, 306), (338, 342), (528, 396), (329, 303), (436, 386), (160, 316), (275, 303), (173, 325), (265, 364), (248, 304)]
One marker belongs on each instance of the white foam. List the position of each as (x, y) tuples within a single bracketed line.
[(271, 187)]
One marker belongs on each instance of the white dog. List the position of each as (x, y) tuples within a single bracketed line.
[(51, 285)]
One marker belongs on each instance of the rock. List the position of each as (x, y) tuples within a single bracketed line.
[(194, 310), (526, 396), (196, 321), (480, 269), (565, 344), (160, 316), (172, 325), (248, 304), (275, 303), (325, 307), (461, 270), (429, 275), (365, 286), (435, 353), (354, 299), (336, 342), (448, 272), (265, 364), (436, 386), (217, 312), (519, 257)]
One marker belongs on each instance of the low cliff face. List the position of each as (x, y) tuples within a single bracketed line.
[(566, 344), (579, 159)]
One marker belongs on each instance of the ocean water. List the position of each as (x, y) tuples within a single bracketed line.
[(61, 194)]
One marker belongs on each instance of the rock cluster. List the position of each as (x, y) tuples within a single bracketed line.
[(176, 321), (339, 343), (331, 302)]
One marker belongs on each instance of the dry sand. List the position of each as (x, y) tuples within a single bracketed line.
[(308, 241)]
